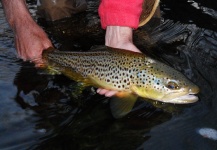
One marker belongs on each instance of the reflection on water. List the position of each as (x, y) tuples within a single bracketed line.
[(41, 111)]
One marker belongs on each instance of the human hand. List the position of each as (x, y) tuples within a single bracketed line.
[(118, 37), (30, 41)]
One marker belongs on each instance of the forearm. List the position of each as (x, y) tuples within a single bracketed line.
[(116, 35), (29, 37), (17, 13)]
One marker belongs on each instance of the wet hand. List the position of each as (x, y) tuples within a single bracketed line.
[(30, 41), (107, 93)]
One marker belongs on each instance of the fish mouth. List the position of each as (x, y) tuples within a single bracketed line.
[(185, 99)]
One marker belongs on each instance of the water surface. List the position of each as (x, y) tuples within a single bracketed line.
[(41, 111)]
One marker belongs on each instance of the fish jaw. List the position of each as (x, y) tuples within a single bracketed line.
[(181, 96), (184, 99), (188, 96)]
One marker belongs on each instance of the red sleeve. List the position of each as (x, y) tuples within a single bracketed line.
[(120, 13)]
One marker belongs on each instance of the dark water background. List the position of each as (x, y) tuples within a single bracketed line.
[(41, 111)]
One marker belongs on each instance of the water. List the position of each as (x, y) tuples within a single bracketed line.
[(41, 111)]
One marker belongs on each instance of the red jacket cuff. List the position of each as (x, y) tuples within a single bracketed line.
[(120, 13)]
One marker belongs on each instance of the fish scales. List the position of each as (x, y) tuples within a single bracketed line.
[(125, 71), (115, 68), (132, 74)]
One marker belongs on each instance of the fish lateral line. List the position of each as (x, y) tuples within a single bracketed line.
[(132, 74)]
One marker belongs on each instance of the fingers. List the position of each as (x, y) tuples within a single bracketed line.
[(32, 51), (31, 42), (107, 93)]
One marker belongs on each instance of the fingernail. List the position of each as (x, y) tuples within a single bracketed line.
[(98, 90)]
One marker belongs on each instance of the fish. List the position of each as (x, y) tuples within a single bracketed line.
[(132, 74)]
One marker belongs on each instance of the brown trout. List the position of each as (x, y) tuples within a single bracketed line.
[(132, 74)]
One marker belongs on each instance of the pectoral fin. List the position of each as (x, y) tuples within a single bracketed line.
[(52, 71), (122, 105)]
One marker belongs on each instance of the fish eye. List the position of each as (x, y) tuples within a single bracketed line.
[(172, 85)]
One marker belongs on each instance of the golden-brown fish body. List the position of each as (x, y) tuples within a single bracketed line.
[(129, 72), (124, 71)]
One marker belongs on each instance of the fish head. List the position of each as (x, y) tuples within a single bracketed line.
[(160, 82)]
